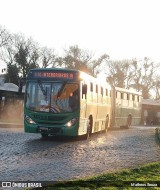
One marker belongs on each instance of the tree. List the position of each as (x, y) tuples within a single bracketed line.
[(97, 65), (47, 57), (12, 74), (7, 56), (117, 73), (20, 55), (27, 54), (156, 87), (5, 37), (76, 58), (143, 76), (136, 74)]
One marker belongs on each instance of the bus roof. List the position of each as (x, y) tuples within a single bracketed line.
[(130, 91), (55, 69), (63, 74)]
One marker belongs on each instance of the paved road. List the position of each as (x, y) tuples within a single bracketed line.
[(27, 157)]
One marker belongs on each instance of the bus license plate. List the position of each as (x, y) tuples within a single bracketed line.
[(43, 129)]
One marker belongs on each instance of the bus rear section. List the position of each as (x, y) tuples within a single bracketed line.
[(126, 106)]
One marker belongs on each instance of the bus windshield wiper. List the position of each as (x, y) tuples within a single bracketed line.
[(61, 89), (41, 87)]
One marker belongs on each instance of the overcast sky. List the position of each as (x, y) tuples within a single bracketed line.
[(123, 29)]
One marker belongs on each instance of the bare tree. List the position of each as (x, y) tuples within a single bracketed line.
[(76, 58), (156, 88), (118, 72), (47, 57), (143, 73), (97, 65), (5, 36), (136, 74)]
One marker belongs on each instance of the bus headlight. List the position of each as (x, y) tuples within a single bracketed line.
[(71, 122), (29, 120)]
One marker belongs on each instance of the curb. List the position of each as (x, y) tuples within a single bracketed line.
[(10, 125), (157, 131)]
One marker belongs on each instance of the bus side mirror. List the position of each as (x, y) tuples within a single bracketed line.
[(84, 90), (21, 83)]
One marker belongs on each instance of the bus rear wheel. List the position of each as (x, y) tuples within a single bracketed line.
[(129, 120), (107, 122), (89, 127)]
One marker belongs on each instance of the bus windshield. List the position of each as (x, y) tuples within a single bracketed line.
[(57, 97)]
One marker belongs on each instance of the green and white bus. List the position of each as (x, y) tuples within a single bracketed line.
[(65, 102)]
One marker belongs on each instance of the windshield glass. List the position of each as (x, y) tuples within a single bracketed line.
[(52, 97)]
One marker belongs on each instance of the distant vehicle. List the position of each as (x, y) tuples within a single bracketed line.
[(65, 102)]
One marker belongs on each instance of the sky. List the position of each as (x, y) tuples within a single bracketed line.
[(123, 29)]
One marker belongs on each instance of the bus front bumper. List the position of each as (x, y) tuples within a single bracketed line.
[(50, 130), (59, 130)]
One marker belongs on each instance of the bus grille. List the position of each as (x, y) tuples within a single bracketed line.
[(48, 118)]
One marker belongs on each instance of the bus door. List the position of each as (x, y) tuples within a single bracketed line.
[(83, 109)]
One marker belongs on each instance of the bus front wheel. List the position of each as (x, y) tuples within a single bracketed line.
[(43, 135)]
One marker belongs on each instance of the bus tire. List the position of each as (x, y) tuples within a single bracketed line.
[(107, 122), (89, 127), (129, 120), (44, 136)]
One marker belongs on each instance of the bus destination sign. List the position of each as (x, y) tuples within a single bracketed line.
[(53, 75)]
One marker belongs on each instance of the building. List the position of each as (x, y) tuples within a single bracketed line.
[(11, 103), (150, 112)]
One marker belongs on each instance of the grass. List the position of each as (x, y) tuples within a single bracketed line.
[(144, 175)]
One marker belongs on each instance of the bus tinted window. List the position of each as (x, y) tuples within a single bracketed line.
[(101, 91), (91, 87), (96, 88), (52, 97), (106, 92)]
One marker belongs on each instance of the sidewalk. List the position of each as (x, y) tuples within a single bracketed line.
[(10, 125)]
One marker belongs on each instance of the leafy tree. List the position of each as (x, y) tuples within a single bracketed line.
[(26, 55), (76, 58), (12, 74)]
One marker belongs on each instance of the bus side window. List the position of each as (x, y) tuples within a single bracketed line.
[(96, 88), (84, 90), (91, 87), (106, 92), (122, 95), (116, 94), (133, 98), (102, 91)]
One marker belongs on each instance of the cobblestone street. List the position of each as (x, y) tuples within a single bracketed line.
[(27, 157)]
